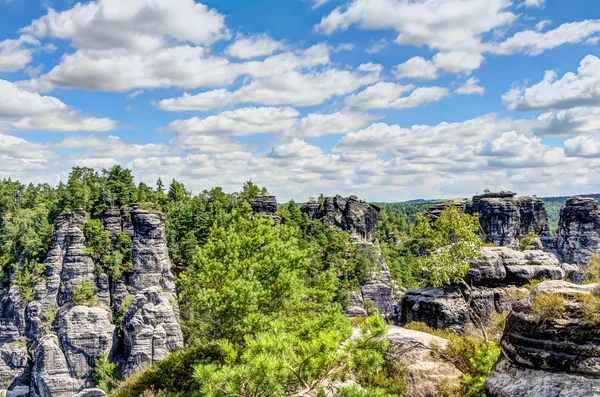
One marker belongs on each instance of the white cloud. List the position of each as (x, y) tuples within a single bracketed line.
[(449, 62), (297, 148), (16, 54), (318, 3), (583, 146), (141, 25), (471, 86), (254, 47), (243, 121), (531, 42), (534, 3), (24, 110), (183, 66), (417, 68), (288, 88), (389, 95), (569, 122), (572, 90), (112, 146), (377, 46), (318, 124), (440, 24)]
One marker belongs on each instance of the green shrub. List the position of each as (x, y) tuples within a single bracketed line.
[(548, 306), (525, 243), (590, 308), (50, 314), (592, 271), (482, 362), (84, 294), (105, 373)]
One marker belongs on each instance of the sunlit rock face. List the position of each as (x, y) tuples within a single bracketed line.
[(266, 205), (360, 219), (505, 219), (578, 232), (66, 339), (557, 355)]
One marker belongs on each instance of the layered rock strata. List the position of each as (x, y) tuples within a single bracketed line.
[(553, 351), (578, 232)]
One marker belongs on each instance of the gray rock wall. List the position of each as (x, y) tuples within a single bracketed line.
[(64, 340), (578, 232)]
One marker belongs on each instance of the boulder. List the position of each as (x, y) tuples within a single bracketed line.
[(51, 376), (426, 370), (500, 266), (556, 355), (578, 232)]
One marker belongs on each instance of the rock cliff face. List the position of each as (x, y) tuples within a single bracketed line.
[(505, 219), (346, 213), (360, 219), (58, 342), (578, 232), (495, 278), (550, 354), (266, 205)]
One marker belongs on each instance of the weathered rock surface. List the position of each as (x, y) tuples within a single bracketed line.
[(494, 277), (578, 232), (505, 219), (65, 340), (151, 322), (151, 329), (550, 356), (266, 205), (150, 255), (504, 266), (435, 210), (426, 370), (350, 214)]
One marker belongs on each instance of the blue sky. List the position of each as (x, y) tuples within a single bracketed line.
[(387, 99)]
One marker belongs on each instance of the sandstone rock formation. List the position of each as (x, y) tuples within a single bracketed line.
[(356, 217), (65, 340), (494, 277), (505, 219), (555, 352), (266, 205), (360, 219), (426, 370), (578, 232)]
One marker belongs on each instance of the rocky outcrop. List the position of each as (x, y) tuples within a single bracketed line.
[(151, 329), (494, 278), (552, 351), (435, 211), (352, 215), (500, 266), (578, 232), (151, 322), (64, 339), (266, 205), (360, 219), (426, 370), (505, 219)]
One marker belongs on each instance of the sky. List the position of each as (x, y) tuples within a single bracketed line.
[(390, 100)]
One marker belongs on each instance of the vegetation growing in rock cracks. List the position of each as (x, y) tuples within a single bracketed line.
[(84, 294)]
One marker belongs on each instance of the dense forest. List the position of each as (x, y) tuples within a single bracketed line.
[(262, 305)]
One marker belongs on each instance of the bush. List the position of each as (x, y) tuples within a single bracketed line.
[(50, 314), (590, 308), (525, 243), (592, 271), (482, 362), (105, 373), (84, 294), (548, 306)]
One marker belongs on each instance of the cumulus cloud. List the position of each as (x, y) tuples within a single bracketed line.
[(389, 95), (24, 110), (471, 86), (142, 26), (319, 124), (583, 146), (254, 47), (242, 121), (16, 54), (572, 90), (569, 122), (288, 88), (450, 62), (532, 42), (182, 66), (445, 25)]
